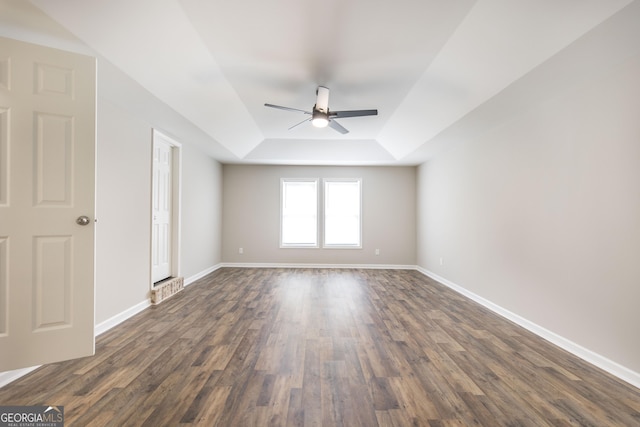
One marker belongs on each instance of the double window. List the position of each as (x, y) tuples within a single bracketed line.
[(337, 217)]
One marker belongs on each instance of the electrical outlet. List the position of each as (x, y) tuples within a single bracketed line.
[(240, 251), (441, 261), (377, 251)]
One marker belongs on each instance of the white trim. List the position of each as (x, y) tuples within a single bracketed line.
[(311, 265), (176, 202), (200, 275), (10, 376), (595, 359), (119, 318)]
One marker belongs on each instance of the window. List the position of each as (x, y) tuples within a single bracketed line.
[(342, 205), (299, 213), (340, 216)]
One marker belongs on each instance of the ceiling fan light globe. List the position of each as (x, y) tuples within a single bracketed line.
[(319, 119), (320, 122)]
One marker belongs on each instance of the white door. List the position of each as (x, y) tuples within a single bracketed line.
[(162, 210), (47, 204)]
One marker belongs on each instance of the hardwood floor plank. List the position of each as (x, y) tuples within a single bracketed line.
[(415, 399), (382, 394), (311, 387), (214, 411), (325, 347), (295, 412), (201, 393)]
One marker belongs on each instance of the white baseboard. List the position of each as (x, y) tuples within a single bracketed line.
[(121, 317), (191, 279), (9, 376), (311, 265), (595, 359), (103, 327)]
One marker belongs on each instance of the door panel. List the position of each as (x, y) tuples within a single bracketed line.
[(53, 156), (4, 154), (47, 181), (52, 282), (162, 210), (4, 279)]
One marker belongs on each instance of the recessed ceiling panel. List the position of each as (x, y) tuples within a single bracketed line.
[(369, 54), (287, 151), (423, 64)]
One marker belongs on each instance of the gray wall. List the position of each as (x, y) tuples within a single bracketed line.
[(123, 200), (541, 214), (202, 212), (123, 238), (251, 209)]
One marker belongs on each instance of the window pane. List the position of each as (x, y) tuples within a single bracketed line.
[(299, 230), (299, 213), (342, 213), (342, 231)]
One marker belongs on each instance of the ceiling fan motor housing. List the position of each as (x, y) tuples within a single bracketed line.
[(322, 99)]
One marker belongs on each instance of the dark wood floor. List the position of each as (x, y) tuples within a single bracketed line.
[(325, 347)]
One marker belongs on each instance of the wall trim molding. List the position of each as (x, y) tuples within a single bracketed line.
[(189, 280), (103, 327), (583, 353), (132, 311), (313, 265), (10, 376)]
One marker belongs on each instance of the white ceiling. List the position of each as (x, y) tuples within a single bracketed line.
[(424, 64)]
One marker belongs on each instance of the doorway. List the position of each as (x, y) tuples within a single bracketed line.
[(165, 208)]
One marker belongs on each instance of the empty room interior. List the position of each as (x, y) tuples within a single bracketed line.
[(339, 213)]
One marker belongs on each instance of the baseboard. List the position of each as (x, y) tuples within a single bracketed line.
[(121, 317), (313, 265), (10, 376), (197, 276), (595, 359)]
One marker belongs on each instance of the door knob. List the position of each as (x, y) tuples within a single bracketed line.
[(83, 220)]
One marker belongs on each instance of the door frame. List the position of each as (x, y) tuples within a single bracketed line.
[(176, 203)]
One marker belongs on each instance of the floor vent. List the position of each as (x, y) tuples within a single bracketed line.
[(165, 289)]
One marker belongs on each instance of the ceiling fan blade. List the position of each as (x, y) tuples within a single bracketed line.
[(337, 126), (298, 124), (286, 108), (353, 113), (322, 99)]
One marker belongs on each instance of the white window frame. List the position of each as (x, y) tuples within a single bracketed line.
[(324, 214), (282, 200)]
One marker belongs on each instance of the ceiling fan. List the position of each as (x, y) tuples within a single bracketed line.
[(321, 116)]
